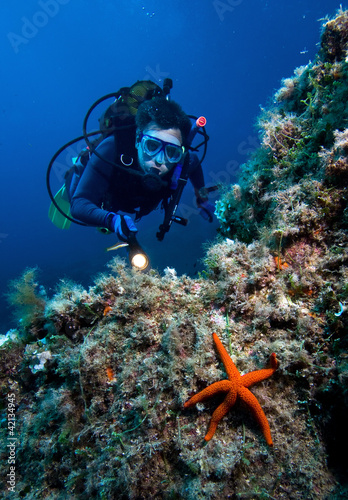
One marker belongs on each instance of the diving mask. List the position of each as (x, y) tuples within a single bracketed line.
[(152, 146)]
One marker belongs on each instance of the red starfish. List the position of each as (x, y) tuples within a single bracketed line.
[(236, 385)]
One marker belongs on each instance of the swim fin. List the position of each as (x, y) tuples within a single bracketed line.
[(62, 201)]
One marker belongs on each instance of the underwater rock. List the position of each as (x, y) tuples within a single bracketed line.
[(294, 184), (334, 41), (39, 360), (104, 415)]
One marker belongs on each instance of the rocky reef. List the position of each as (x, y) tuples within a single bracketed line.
[(94, 382)]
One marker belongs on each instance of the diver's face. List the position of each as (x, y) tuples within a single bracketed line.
[(160, 155)]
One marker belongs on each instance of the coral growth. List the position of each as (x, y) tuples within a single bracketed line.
[(291, 180), (100, 383), (99, 400)]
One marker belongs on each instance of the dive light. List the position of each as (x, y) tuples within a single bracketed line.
[(137, 257)]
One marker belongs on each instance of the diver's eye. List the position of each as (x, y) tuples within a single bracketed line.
[(151, 146), (173, 153)]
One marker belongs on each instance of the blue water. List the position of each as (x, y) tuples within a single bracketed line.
[(225, 58)]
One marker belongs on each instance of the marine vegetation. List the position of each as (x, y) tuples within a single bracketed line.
[(27, 298), (96, 382)]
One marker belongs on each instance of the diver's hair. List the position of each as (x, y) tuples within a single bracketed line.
[(165, 114)]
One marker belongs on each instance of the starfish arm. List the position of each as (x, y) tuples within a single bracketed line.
[(230, 367), (220, 412), (254, 405), (211, 390), (258, 375)]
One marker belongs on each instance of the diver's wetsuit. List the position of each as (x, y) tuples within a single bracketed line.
[(104, 189)]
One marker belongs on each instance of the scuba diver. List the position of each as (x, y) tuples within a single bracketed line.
[(141, 160)]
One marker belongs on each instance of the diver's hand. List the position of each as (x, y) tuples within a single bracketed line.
[(124, 227), (206, 210)]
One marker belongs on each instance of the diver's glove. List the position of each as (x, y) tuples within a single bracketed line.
[(123, 226), (206, 209)]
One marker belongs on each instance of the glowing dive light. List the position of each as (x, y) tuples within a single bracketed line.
[(139, 261), (137, 257)]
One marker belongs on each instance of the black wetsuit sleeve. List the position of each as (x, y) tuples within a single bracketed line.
[(94, 184), (195, 172)]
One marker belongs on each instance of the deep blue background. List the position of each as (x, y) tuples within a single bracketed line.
[(226, 58)]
